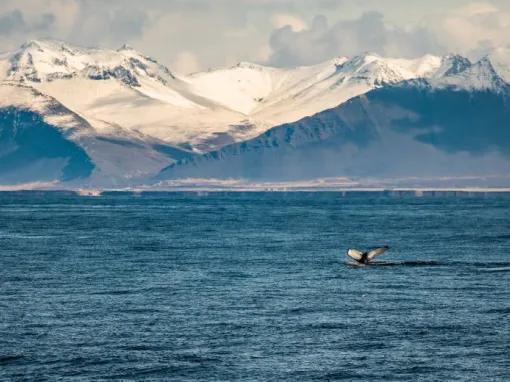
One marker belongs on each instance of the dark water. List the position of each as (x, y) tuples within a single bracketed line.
[(226, 287)]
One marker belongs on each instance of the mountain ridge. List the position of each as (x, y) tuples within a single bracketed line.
[(401, 130), (115, 99)]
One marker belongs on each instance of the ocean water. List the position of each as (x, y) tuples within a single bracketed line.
[(253, 287)]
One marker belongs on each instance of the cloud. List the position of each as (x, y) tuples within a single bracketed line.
[(186, 62), (13, 22), (369, 32), (205, 33), (21, 20), (474, 29), (111, 25), (281, 20), (217, 35)]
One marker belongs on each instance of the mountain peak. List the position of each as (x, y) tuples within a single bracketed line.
[(125, 47), (48, 60), (371, 69), (452, 64), (368, 55), (47, 45), (463, 74), (486, 68), (250, 65), (500, 62), (31, 44), (365, 58)]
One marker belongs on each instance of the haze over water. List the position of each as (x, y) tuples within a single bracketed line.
[(253, 286)]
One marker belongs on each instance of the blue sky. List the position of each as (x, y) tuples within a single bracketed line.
[(190, 35)]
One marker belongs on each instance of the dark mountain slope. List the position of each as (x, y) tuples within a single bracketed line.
[(410, 129)]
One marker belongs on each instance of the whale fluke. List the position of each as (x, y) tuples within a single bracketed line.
[(355, 254), (366, 257), (376, 252)]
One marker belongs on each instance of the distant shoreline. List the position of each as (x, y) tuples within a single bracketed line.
[(387, 191)]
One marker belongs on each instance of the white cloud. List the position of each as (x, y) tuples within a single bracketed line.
[(186, 63), (369, 32), (474, 9), (474, 28), (206, 33), (281, 20), (20, 20)]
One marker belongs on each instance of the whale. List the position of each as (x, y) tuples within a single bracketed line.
[(365, 257)]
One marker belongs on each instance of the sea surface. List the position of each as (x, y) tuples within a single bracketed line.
[(254, 287)]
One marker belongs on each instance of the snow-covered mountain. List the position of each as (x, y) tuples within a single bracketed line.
[(272, 96), (38, 61), (204, 111), (132, 116), (408, 130), (450, 123)]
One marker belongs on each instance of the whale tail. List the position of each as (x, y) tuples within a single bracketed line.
[(376, 252), (355, 254), (365, 257)]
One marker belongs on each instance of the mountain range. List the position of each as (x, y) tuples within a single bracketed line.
[(114, 118)]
